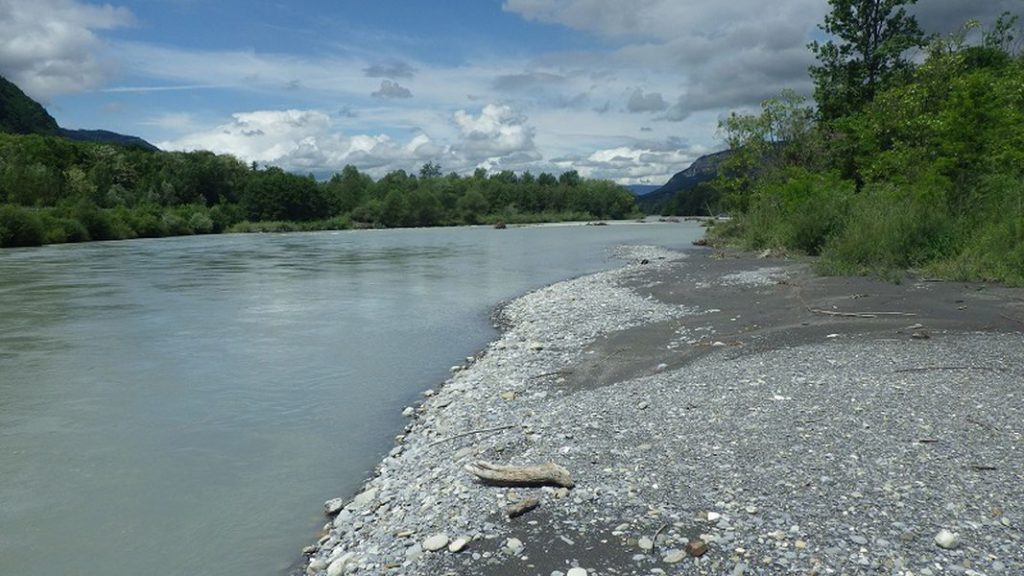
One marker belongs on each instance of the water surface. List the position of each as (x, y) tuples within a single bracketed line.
[(184, 406)]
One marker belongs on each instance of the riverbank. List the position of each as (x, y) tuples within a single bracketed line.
[(744, 405)]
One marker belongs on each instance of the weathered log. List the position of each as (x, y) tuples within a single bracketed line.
[(541, 475)]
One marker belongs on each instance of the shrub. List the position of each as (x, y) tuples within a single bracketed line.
[(20, 227)]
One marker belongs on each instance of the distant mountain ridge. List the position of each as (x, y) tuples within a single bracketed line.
[(702, 170), (20, 114)]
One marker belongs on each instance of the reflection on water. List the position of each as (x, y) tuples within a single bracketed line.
[(188, 403)]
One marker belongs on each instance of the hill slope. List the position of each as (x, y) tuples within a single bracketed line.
[(703, 169), (20, 114)]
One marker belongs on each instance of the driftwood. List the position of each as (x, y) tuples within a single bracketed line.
[(857, 314), (522, 507), (543, 474), (471, 433)]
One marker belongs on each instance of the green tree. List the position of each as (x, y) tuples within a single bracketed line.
[(867, 52)]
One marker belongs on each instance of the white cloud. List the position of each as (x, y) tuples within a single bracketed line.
[(497, 131), (311, 140), (49, 47)]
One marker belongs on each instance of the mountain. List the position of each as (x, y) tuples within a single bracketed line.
[(20, 114), (641, 189), (703, 169), (107, 137)]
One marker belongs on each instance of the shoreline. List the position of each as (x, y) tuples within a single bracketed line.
[(675, 393)]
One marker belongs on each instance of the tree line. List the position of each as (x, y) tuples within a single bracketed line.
[(55, 190), (913, 157)]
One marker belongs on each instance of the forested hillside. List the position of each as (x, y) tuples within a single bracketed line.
[(901, 165), (55, 190)]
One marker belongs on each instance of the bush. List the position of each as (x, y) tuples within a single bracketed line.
[(889, 229), (20, 227), (799, 211)]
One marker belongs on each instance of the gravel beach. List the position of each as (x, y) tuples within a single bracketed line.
[(718, 415)]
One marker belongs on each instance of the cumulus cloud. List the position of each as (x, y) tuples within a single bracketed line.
[(497, 131), (390, 69), (640, 102), (312, 141), (50, 47), (392, 89)]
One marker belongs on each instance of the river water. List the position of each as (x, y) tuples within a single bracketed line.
[(184, 406)]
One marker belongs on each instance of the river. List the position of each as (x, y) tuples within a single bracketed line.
[(184, 406)]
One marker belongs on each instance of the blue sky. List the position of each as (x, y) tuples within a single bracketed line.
[(630, 91)]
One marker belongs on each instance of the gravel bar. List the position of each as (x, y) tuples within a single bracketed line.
[(730, 416)]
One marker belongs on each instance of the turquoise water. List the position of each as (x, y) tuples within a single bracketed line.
[(184, 406)]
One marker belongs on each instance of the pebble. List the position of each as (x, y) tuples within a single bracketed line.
[(435, 542), (576, 572), (458, 545), (674, 556), (946, 539), (409, 412), (514, 545), (645, 543)]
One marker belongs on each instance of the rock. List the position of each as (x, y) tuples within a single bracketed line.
[(514, 545), (674, 556), (645, 543), (435, 542), (714, 516), (521, 507), (508, 395), (337, 567), (363, 499), (429, 392), (458, 545), (696, 547), (316, 565), (413, 552), (333, 506), (576, 572), (343, 519), (409, 412), (946, 539), (859, 540), (643, 405), (536, 346)]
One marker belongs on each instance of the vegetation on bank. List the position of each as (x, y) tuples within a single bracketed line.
[(902, 165), (55, 190)]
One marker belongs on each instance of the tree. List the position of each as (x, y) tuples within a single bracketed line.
[(430, 170), (866, 54)]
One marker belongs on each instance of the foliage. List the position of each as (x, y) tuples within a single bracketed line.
[(63, 191), (868, 53), (926, 173)]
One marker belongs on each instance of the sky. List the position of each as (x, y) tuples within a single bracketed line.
[(630, 91)]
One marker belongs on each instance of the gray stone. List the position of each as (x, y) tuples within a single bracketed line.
[(458, 545), (435, 542), (333, 506), (576, 572), (646, 543), (946, 539), (674, 556)]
